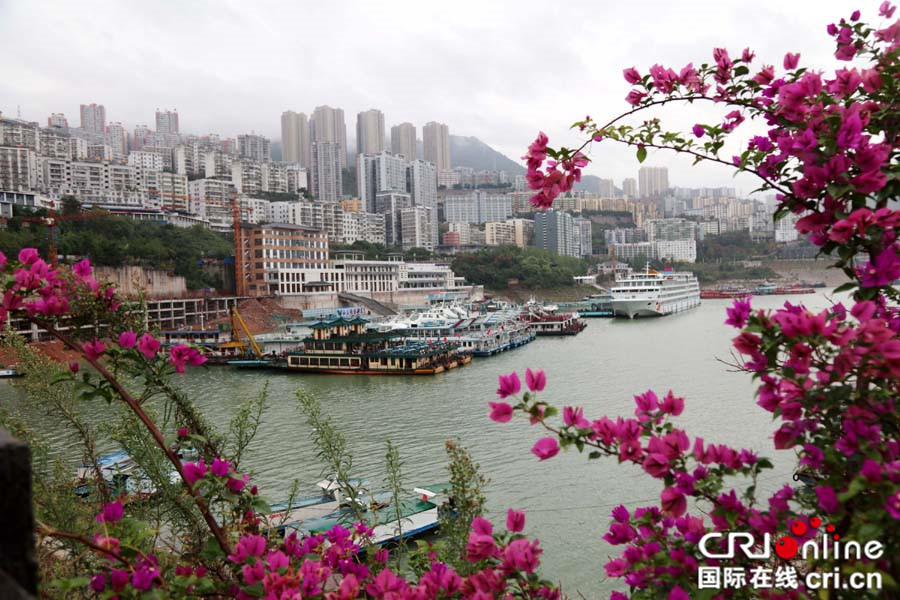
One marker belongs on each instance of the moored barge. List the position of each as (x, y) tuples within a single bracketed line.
[(343, 347)]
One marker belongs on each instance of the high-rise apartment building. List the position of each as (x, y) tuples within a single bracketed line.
[(167, 121), (403, 141), (436, 140), (93, 118), (295, 142), (630, 187), (421, 181), (370, 132), (653, 181), (391, 205), (585, 237), (254, 147), (117, 139), (377, 173), (142, 137), (555, 231), (18, 169), (328, 125), (416, 229), (327, 180)]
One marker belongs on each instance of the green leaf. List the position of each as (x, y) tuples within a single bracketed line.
[(844, 287), (595, 455), (641, 153), (856, 486)]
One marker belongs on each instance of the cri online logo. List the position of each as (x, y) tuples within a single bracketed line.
[(787, 547)]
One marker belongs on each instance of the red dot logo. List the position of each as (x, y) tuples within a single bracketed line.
[(829, 528), (815, 522), (798, 527), (786, 548)]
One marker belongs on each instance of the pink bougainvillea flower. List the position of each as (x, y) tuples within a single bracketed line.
[(515, 520), (738, 313), (501, 412), (193, 472), (111, 513), (127, 339), (220, 467), (82, 269), (509, 385), (574, 417), (827, 499), (535, 380), (631, 75), (545, 448), (673, 502), (791, 60), (672, 404), (28, 256), (93, 350), (148, 346)]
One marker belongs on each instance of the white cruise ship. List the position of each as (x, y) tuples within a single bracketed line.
[(649, 293)]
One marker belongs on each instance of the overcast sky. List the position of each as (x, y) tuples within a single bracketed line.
[(499, 71)]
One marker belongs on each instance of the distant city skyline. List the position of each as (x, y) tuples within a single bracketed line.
[(484, 77)]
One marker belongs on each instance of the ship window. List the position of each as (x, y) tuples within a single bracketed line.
[(345, 362), (354, 362), (293, 361), (304, 362)]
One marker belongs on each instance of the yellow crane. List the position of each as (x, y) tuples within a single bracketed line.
[(237, 326)]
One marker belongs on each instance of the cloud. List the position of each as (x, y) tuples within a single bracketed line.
[(496, 70)]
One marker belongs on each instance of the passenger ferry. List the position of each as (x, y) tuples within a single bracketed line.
[(653, 294), (346, 348)]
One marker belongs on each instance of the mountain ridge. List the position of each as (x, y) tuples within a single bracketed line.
[(472, 153)]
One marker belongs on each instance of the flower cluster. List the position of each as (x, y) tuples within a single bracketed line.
[(329, 565), (560, 175)]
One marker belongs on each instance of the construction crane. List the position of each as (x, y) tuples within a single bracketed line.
[(52, 220), (237, 326)]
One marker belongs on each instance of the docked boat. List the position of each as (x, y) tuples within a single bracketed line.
[(419, 513), (297, 510), (545, 320), (122, 476), (595, 305), (481, 335), (724, 293), (789, 290), (345, 347), (649, 293), (769, 289), (9, 372)]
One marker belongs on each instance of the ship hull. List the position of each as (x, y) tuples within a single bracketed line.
[(635, 308), (421, 371)]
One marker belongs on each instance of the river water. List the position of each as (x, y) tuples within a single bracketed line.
[(567, 498)]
